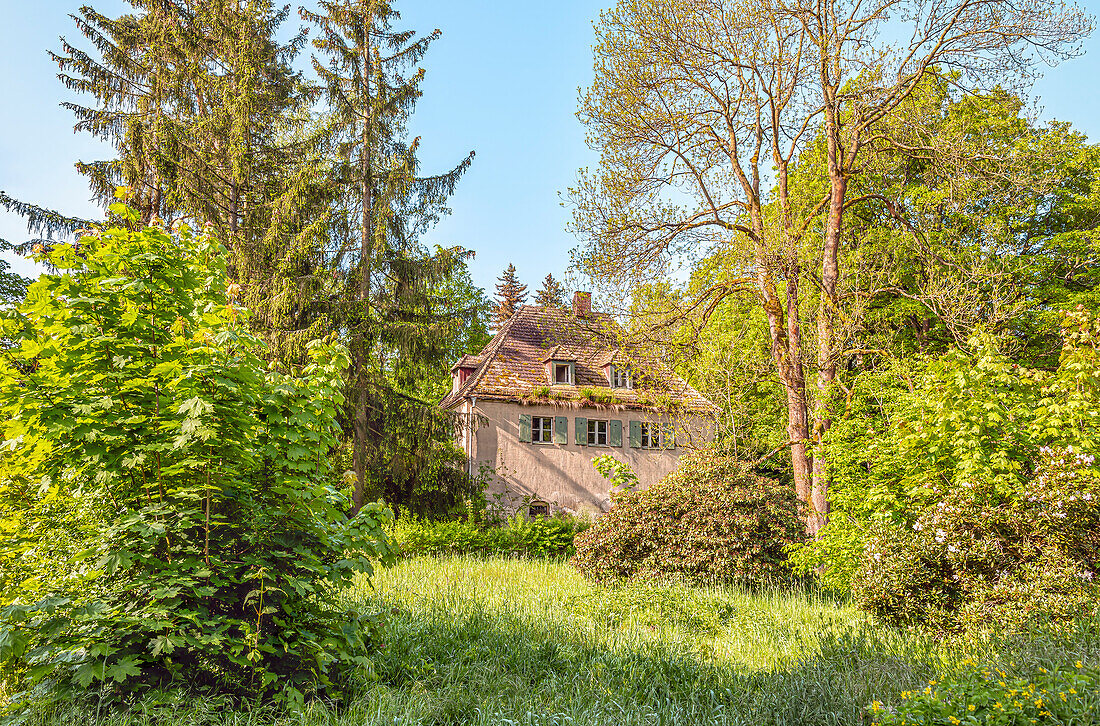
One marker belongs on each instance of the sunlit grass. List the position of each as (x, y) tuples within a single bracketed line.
[(496, 641)]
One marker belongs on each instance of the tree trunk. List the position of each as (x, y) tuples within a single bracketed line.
[(360, 352)]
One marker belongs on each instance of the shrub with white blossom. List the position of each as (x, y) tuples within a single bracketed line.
[(974, 557)]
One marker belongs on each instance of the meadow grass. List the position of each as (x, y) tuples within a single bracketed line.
[(531, 643)]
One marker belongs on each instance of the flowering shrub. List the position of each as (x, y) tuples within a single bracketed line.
[(710, 520), (990, 696), (974, 557)]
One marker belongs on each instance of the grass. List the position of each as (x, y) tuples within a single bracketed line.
[(512, 642)]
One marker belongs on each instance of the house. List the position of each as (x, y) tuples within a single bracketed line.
[(553, 390)]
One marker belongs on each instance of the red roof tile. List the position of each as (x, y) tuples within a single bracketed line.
[(513, 366)]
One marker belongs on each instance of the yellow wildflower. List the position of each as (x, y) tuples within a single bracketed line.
[(1079, 664), (970, 707)]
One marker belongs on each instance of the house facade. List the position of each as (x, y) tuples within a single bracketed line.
[(552, 391)]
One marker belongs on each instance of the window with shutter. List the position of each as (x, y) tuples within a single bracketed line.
[(597, 432), (580, 431), (525, 428), (541, 427), (635, 434)]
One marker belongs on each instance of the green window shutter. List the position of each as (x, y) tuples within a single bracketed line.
[(581, 431), (635, 434), (561, 429), (669, 436), (615, 435), (525, 427)]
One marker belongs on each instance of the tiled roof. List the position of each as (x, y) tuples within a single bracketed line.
[(512, 367)]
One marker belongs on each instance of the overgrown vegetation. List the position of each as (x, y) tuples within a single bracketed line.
[(168, 504), (711, 520), (516, 536), (490, 642)]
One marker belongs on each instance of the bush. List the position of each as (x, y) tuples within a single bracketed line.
[(518, 537), (711, 520), (206, 537), (990, 696), (975, 558)]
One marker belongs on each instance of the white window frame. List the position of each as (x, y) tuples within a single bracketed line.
[(621, 377), (594, 432), (538, 431), (648, 428), (554, 366)]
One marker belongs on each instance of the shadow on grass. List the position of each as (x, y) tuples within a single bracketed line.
[(440, 668)]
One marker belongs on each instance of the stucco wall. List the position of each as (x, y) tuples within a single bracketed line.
[(562, 474)]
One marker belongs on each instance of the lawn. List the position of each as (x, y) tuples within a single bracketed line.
[(475, 641)]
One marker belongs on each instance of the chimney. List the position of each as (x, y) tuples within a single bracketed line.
[(582, 304)]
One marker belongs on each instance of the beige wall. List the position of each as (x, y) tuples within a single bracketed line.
[(563, 475)]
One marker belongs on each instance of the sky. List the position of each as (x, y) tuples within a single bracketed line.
[(503, 81)]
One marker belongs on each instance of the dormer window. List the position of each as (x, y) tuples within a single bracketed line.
[(620, 377), (561, 373)]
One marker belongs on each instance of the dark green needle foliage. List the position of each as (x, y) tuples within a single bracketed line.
[(390, 302)]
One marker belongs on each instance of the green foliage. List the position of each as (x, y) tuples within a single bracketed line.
[(12, 285), (913, 434), (976, 558), (596, 395), (711, 520), (618, 473), (517, 537), (194, 477), (1069, 694)]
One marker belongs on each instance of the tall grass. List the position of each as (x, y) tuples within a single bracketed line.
[(476, 641)]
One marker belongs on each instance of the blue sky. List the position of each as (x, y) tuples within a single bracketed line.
[(502, 81)]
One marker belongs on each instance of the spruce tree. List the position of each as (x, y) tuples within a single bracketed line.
[(207, 118), (551, 294), (387, 304), (511, 294)]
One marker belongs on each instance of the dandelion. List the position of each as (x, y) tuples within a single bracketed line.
[(971, 707), (1079, 664)]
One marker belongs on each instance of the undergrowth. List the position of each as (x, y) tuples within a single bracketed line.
[(503, 641)]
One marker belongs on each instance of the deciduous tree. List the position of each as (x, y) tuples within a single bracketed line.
[(701, 109)]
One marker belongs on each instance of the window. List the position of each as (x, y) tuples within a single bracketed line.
[(652, 435), (538, 509), (563, 374), (542, 428), (621, 378), (597, 433)]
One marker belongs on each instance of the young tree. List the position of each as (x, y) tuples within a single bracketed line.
[(371, 82), (142, 427), (551, 294), (511, 295), (701, 109)]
